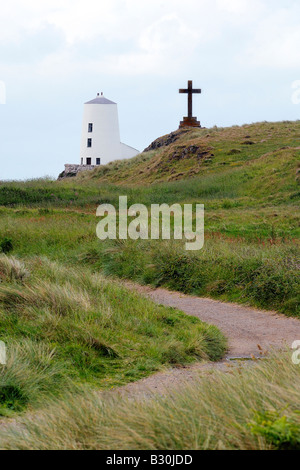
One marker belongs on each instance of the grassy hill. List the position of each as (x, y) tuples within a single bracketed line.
[(189, 152), (248, 179)]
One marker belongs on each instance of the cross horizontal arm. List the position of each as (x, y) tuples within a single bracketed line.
[(190, 91)]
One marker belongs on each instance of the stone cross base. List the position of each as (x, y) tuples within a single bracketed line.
[(189, 122)]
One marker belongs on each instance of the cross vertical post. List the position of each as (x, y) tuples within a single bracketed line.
[(190, 99), (190, 121)]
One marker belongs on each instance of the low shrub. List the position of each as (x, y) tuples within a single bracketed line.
[(6, 245)]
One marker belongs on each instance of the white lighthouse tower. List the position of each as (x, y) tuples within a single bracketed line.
[(100, 141)]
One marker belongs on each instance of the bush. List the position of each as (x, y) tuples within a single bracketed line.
[(280, 431), (6, 245), (272, 285)]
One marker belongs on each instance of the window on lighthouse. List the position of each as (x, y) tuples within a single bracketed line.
[(98, 161), (89, 143), (90, 127)]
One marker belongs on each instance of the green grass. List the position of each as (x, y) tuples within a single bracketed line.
[(252, 221), (256, 261), (65, 327), (255, 407), (263, 276), (69, 329)]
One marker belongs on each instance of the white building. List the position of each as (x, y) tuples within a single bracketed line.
[(100, 141)]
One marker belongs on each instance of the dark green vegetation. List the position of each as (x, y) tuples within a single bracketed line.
[(248, 179), (64, 327), (250, 408)]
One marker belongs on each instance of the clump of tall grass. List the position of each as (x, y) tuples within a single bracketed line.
[(31, 373), (12, 269), (249, 408), (61, 300)]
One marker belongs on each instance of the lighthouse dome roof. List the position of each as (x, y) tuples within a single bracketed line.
[(100, 99)]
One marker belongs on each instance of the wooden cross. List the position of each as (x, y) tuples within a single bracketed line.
[(190, 121)]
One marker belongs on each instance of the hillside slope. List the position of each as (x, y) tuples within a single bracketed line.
[(247, 178), (187, 153)]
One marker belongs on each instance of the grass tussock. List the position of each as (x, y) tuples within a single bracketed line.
[(12, 269), (94, 330), (249, 408), (30, 376)]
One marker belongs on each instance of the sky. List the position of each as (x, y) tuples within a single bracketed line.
[(56, 55)]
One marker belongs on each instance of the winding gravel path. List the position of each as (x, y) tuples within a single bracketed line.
[(249, 331)]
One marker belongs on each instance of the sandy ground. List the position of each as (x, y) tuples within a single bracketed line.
[(250, 333)]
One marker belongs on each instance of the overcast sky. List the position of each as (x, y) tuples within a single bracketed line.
[(55, 55)]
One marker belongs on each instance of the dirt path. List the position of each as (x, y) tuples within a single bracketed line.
[(249, 331)]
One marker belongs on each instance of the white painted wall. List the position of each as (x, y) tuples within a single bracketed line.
[(105, 137), (128, 152)]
